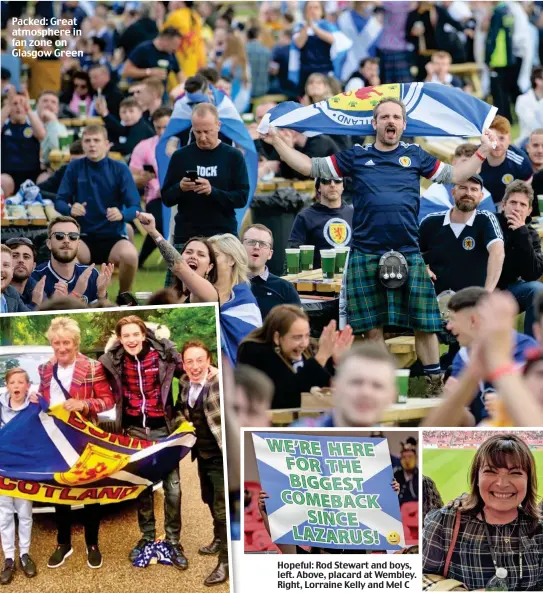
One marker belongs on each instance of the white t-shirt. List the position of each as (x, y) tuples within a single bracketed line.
[(65, 375)]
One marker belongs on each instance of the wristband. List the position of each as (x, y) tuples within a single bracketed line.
[(480, 156), (509, 368)]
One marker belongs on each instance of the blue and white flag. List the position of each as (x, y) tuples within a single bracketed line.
[(238, 318), (432, 110), (365, 33), (55, 456), (338, 51), (232, 127), (438, 197), (329, 492)]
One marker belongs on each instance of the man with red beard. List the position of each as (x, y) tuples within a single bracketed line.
[(63, 275), (199, 401)]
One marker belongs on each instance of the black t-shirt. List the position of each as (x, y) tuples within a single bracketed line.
[(200, 214), (144, 29), (146, 55), (458, 256), (537, 186)]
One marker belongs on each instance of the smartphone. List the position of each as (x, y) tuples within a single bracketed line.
[(127, 299), (149, 169), (192, 175)]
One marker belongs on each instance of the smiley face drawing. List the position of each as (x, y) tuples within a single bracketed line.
[(393, 538)]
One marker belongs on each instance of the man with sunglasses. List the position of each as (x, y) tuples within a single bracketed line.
[(327, 223), (269, 290), (63, 275)]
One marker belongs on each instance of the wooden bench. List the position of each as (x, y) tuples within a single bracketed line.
[(471, 72), (403, 348), (268, 99)]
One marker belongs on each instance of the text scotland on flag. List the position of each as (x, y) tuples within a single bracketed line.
[(329, 491)]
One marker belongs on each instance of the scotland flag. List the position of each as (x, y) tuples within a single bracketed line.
[(329, 492), (338, 52), (232, 126), (365, 32), (60, 458), (238, 318), (432, 110)]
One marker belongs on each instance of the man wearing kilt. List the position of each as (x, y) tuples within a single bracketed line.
[(386, 181)]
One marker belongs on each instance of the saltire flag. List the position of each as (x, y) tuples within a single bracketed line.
[(60, 458), (329, 491), (238, 318), (432, 110), (232, 127), (338, 51), (438, 197), (365, 33)]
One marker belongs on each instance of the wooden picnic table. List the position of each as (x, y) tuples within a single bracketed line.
[(278, 182), (470, 71), (403, 348), (57, 158), (415, 408), (79, 122), (311, 282)]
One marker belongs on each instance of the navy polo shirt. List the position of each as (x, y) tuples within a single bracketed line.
[(20, 148), (458, 253), (386, 196), (515, 166)]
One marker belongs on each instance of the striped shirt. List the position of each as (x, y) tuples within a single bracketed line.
[(518, 548)]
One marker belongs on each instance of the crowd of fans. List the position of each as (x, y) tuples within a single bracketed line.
[(457, 438), (144, 63)]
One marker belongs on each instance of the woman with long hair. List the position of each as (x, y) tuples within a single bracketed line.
[(317, 88), (214, 270), (280, 349), (498, 525), (234, 64)]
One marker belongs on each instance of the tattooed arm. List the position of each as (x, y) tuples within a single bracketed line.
[(199, 287)]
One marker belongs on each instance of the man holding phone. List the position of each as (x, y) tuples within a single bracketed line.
[(214, 181)]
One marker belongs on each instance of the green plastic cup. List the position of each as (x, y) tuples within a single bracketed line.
[(63, 142), (307, 253), (540, 202), (293, 260), (402, 384), (341, 258), (82, 109), (328, 261)]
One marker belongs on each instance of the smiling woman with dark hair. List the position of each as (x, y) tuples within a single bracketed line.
[(498, 526)]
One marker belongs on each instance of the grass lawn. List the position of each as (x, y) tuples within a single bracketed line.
[(149, 279), (449, 468)]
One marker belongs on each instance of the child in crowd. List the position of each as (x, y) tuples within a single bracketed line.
[(15, 399), (132, 129)]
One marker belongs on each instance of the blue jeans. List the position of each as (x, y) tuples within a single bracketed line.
[(525, 293)]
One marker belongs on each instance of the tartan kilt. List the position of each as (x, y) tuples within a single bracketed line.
[(395, 66), (170, 278), (371, 305)]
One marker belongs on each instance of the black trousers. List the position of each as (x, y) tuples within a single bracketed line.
[(91, 520), (504, 88), (154, 207)]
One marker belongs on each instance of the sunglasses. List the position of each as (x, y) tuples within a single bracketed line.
[(329, 181), (60, 236), (19, 241)]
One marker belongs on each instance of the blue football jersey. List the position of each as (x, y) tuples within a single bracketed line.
[(386, 194), (515, 166), (51, 278)]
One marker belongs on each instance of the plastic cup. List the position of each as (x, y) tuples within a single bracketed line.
[(143, 297), (82, 109), (328, 261), (540, 202), (341, 258), (63, 142), (402, 384), (164, 64), (307, 253), (293, 260)]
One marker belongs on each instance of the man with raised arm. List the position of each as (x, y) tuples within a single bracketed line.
[(386, 180)]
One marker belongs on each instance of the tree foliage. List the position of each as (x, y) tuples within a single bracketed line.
[(184, 323)]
